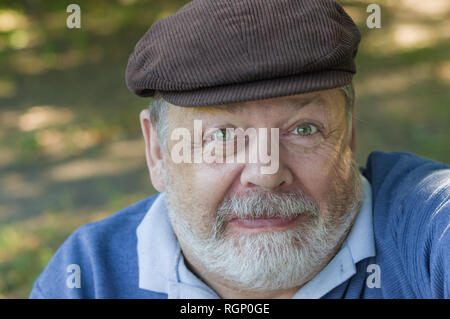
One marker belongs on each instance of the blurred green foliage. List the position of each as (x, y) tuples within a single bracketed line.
[(70, 145)]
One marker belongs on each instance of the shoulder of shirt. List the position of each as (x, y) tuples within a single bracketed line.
[(411, 209), (98, 248), (124, 220), (400, 178)]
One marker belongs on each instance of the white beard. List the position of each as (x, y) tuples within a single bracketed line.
[(266, 260)]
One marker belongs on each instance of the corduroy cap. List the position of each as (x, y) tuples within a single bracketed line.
[(214, 52)]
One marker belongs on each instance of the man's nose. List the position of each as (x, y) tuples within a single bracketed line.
[(267, 171), (253, 176)]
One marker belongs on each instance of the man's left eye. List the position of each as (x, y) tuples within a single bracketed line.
[(223, 135), (305, 129)]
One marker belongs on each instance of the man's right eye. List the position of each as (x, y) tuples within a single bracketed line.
[(223, 135)]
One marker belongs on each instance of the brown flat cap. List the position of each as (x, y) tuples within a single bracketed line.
[(214, 52)]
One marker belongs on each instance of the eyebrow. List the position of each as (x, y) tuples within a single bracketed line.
[(295, 104)]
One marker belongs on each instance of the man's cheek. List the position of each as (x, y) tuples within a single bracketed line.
[(217, 178), (313, 177)]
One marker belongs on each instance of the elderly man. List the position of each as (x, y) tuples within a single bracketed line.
[(250, 141)]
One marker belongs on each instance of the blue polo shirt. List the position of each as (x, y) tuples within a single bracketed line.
[(401, 232)]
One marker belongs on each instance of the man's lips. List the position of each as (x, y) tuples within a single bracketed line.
[(263, 223)]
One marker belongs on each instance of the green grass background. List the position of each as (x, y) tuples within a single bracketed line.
[(70, 143)]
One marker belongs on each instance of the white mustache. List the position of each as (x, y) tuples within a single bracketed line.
[(255, 205)]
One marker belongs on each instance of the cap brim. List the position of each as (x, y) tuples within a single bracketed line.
[(258, 90)]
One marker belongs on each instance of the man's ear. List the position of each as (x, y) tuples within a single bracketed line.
[(353, 139), (153, 152)]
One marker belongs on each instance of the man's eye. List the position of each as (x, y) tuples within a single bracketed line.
[(223, 135), (305, 129)]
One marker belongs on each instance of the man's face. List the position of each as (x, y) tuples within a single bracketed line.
[(266, 231)]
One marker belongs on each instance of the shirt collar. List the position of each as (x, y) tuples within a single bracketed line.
[(162, 268), (361, 240), (158, 249)]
